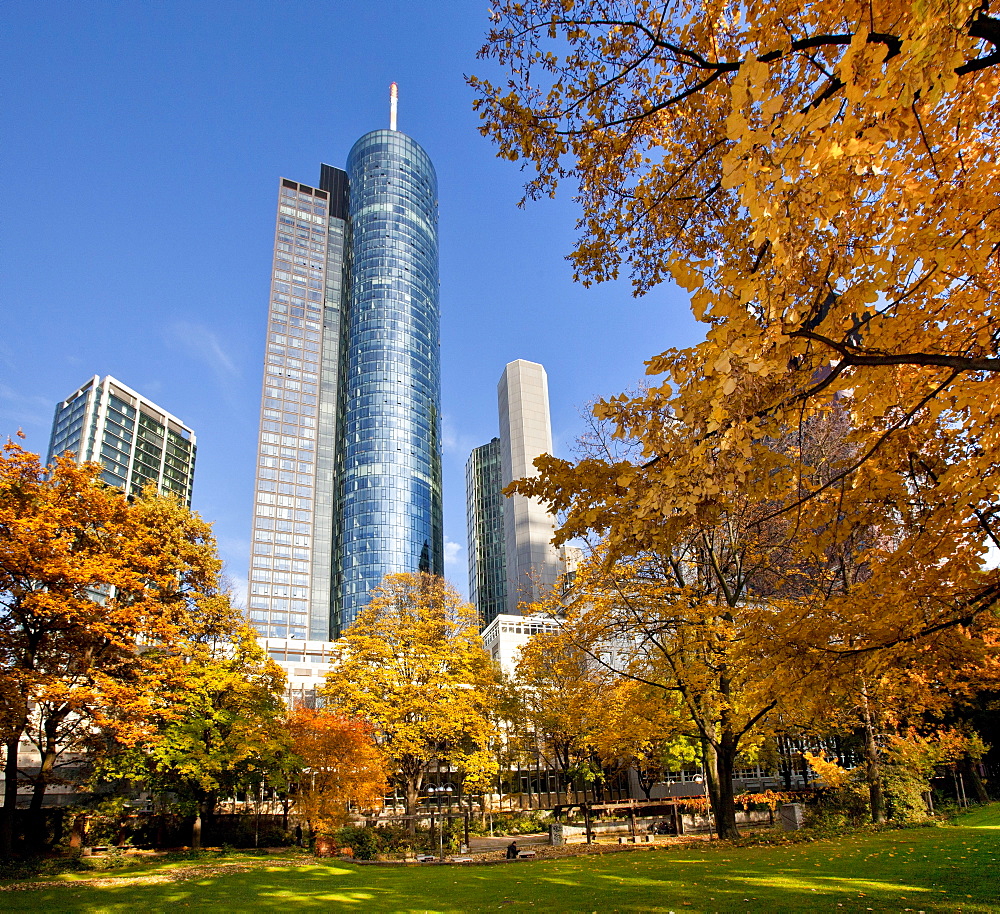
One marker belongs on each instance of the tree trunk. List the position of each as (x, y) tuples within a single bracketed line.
[(196, 828), (719, 764), (971, 776), (646, 782), (49, 750), (785, 761), (873, 768), (9, 796), (412, 790), (49, 754), (726, 814)]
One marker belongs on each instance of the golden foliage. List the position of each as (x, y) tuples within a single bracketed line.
[(97, 592), (413, 666), (828, 771), (822, 179)]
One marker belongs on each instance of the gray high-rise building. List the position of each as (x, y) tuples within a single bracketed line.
[(525, 433), (484, 502), (135, 441), (511, 556), (348, 482)]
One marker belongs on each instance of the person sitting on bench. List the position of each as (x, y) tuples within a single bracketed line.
[(512, 850)]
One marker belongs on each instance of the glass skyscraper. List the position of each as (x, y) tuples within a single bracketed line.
[(135, 441), (349, 458), (484, 502), (390, 471)]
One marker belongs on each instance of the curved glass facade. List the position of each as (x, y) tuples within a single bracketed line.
[(390, 517)]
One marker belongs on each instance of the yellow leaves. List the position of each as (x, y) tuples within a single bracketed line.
[(97, 589), (687, 273), (830, 773), (830, 210), (414, 667), (771, 106), (701, 301)]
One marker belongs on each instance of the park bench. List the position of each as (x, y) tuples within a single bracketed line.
[(461, 859), (524, 855)]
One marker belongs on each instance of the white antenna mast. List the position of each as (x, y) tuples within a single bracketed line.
[(393, 98)]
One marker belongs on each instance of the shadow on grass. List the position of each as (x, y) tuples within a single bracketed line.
[(952, 868)]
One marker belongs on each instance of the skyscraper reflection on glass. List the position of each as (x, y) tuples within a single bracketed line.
[(390, 468), (349, 466)]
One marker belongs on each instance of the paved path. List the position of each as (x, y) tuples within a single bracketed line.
[(482, 845)]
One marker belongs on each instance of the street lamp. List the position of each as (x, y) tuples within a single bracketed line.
[(703, 779), (445, 790)]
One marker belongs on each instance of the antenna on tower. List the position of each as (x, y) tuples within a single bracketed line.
[(393, 99)]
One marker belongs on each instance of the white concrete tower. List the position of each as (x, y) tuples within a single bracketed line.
[(525, 433)]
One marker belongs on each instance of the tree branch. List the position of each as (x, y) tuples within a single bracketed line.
[(853, 357)]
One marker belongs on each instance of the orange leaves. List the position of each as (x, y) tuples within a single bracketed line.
[(342, 765), (822, 178), (94, 588)]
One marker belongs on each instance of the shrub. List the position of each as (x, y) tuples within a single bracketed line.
[(516, 823), (363, 840), (907, 775)]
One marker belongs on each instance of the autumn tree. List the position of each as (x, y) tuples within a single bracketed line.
[(217, 726), (925, 689), (413, 666), (645, 732), (587, 719), (88, 580), (560, 689), (340, 766), (686, 627), (822, 179)]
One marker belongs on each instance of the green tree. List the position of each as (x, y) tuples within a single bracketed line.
[(220, 725)]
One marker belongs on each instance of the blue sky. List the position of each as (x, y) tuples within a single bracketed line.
[(141, 147)]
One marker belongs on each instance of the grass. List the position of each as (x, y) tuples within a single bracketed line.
[(949, 868)]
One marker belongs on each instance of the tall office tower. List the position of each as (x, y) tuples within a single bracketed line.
[(525, 433), (131, 437), (484, 502), (349, 457), (390, 472)]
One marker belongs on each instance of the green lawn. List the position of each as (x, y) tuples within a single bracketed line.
[(948, 868)]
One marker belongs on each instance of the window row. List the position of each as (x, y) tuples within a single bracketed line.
[(279, 590), (284, 501), (280, 577), (281, 540), (281, 526)]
